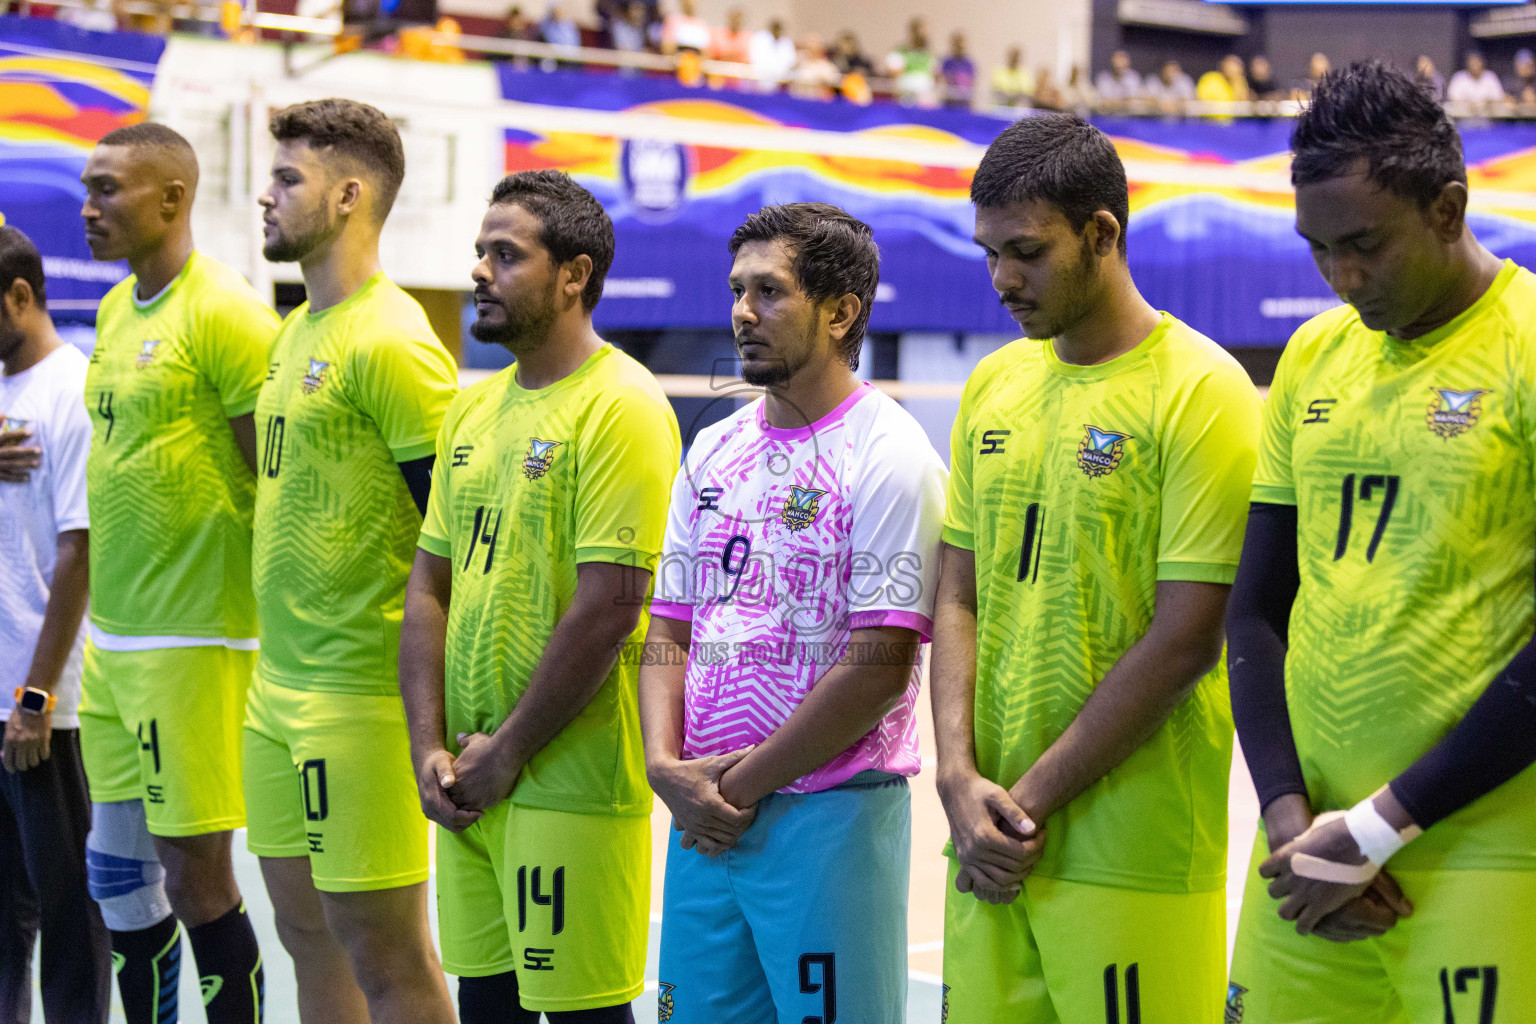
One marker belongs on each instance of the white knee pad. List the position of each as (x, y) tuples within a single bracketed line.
[(123, 873)]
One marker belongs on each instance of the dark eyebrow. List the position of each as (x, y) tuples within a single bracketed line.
[(1016, 240), (1353, 236)]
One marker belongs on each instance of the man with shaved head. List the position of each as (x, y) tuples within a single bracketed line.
[(170, 480)]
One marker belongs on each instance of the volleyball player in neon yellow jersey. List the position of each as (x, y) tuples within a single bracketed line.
[(356, 388), (1098, 489), (179, 357), (548, 508), (1383, 668)]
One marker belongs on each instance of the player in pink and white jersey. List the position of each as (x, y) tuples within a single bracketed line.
[(792, 600)]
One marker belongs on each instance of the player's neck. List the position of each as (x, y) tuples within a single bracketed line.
[(1474, 273), (38, 343), (564, 351), (334, 272), (160, 266), (1113, 326), (810, 394)]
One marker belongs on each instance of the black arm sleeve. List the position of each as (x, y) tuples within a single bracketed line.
[(1258, 621), (1493, 743), (418, 477)]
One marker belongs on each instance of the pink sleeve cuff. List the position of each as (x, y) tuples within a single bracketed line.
[(671, 610), (907, 620)]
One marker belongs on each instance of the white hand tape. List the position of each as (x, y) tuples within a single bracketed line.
[(1375, 836), (1304, 865)]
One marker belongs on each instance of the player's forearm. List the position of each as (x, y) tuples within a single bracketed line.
[(423, 642), (847, 702), (66, 607), (662, 674), (952, 678), (1128, 707), (582, 650)]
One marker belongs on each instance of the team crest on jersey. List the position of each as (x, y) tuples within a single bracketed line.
[(1100, 451), (146, 352), (540, 454), (801, 507), (314, 380), (944, 1006), (8, 423), (1234, 1014), (1453, 413), (664, 1003)]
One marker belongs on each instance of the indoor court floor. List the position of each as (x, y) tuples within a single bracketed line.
[(925, 927)]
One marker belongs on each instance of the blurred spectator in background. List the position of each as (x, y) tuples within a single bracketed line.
[(1522, 85), (558, 29), (1317, 67), (731, 42), (519, 26), (816, 77), (684, 30), (1047, 93), (1078, 94), (155, 22), (1261, 80), (1430, 80), (631, 33), (1227, 84), (772, 57), (96, 16), (1119, 83), (913, 66), (1475, 85), (849, 57), (959, 74), (1172, 88), (1012, 85)]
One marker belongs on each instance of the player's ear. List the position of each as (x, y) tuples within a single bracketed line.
[(1447, 213), (1104, 233), (351, 196), (173, 196), (576, 272), (17, 298), (844, 313)]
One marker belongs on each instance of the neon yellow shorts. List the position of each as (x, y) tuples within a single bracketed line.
[(1073, 953), (163, 726), (328, 776), (1467, 955), (562, 899)]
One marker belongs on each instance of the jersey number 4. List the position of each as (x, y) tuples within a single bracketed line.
[(1381, 490)]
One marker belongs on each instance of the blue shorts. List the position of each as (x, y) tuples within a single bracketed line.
[(806, 915)]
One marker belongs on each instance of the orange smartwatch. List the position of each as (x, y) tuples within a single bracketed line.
[(34, 701)]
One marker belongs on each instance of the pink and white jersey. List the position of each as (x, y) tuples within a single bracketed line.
[(779, 544)]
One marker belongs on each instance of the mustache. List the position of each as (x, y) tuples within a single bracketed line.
[(481, 295), (1011, 299)]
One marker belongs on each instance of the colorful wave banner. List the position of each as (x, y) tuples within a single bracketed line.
[(1211, 236), (62, 89)]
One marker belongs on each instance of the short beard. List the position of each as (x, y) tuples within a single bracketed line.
[(11, 338), (1076, 303), (315, 231), (778, 371), (525, 328)]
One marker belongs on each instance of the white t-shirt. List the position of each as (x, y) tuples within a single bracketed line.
[(779, 544), (1463, 88), (48, 399)]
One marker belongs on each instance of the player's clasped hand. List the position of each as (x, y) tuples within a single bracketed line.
[(435, 776), (691, 791), (27, 739), (1309, 901), (18, 460), (1373, 913), (482, 775), (995, 841)]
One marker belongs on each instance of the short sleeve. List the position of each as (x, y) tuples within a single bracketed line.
[(898, 520), (436, 537), (1210, 444), (674, 591), (628, 455), (959, 505), (405, 384), (1273, 482), (68, 445), (231, 348)]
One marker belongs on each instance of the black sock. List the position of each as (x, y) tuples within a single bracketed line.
[(148, 965), (622, 1014), (229, 966), (492, 1000)]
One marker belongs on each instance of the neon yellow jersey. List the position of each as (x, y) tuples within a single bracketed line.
[(528, 485), (351, 392), (1410, 464), (169, 492), (1079, 488)]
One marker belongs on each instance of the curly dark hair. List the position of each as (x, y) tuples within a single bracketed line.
[(352, 132), (571, 222)]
